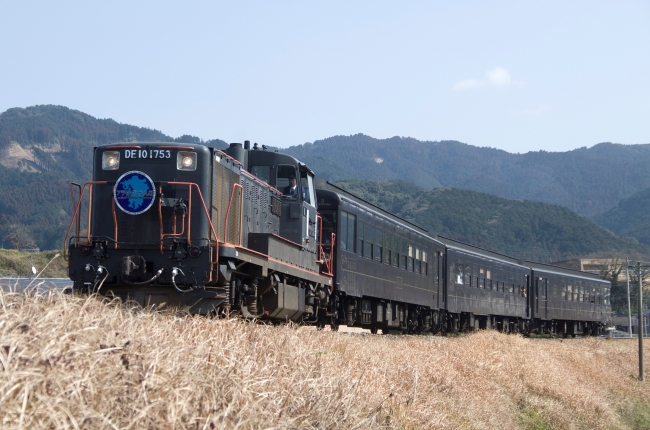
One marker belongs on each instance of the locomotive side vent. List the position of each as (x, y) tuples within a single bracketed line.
[(234, 218), (276, 206)]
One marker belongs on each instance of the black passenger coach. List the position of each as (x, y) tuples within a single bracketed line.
[(246, 231)]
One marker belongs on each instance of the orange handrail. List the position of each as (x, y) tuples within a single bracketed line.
[(76, 213)]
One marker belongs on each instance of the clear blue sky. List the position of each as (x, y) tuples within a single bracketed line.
[(520, 76)]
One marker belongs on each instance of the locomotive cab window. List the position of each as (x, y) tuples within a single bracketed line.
[(307, 184), (283, 179), (262, 172)]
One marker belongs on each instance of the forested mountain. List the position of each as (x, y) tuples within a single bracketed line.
[(522, 228), (587, 181), (631, 217)]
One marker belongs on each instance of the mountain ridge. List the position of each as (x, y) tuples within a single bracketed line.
[(588, 181)]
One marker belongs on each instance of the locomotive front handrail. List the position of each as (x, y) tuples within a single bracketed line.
[(76, 213), (190, 185), (89, 185), (73, 202)]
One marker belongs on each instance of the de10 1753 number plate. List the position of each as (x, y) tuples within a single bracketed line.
[(147, 153)]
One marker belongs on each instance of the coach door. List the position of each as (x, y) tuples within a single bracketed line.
[(541, 298)]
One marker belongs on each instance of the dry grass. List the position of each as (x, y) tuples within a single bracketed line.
[(71, 362)]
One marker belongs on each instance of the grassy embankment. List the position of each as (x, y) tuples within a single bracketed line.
[(15, 263), (74, 362)]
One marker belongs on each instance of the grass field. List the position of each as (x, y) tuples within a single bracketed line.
[(76, 362), (15, 263)]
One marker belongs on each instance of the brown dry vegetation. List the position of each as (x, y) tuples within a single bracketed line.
[(73, 362)]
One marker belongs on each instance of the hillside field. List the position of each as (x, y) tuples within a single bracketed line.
[(78, 362), (14, 263)]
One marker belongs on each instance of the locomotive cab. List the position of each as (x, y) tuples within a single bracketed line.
[(298, 219)]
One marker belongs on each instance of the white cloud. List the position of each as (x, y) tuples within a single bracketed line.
[(537, 111), (497, 77)]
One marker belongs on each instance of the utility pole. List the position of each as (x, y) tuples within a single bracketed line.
[(641, 377), (629, 307)]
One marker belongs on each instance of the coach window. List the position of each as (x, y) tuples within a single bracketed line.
[(563, 292), (379, 239), (347, 231), (481, 278), (360, 238), (416, 262), (511, 283), (343, 230), (459, 274), (569, 292), (402, 254), (368, 235), (410, 261), (424, 263), (488, 279), (474, 276), (262, 172), (395, 251), (592, 298), (388, 239)]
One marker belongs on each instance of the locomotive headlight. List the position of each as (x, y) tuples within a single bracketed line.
[(186, 161), (111, 160)]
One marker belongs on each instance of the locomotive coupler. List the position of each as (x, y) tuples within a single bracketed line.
[(99, 251)]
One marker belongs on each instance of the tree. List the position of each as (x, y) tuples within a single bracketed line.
[(20, 238)]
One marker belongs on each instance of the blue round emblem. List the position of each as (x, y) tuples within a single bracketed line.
[(134, 192)]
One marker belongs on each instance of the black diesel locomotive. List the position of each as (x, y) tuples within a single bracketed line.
[(216, 232)]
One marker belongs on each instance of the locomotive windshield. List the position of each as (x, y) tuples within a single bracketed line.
[(283, 178)]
